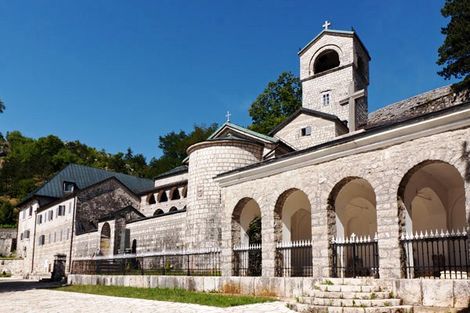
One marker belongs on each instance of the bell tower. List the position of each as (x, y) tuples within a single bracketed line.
[(334, 71)]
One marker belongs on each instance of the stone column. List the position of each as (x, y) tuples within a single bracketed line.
[(226, 253), (268, 247), (388, 229), (321, 228)]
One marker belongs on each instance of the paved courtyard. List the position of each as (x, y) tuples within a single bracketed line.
[(26, 296)]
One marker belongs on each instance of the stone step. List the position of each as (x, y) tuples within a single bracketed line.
[(305, 308), (351, 295), (355, 302), (349, 288)]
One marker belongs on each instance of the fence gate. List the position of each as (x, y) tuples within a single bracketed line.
[(355, 257)]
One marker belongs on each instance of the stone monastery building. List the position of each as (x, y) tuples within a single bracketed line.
[(333, 191)]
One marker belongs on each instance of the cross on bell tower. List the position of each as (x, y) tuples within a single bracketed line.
[(228, 116), (326, 25)]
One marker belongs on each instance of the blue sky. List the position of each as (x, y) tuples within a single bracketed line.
[(117, 74)]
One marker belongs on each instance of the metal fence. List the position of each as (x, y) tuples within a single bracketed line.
[(247, 260), (436, 254), (294, 259), (204, 262), (355, 257)]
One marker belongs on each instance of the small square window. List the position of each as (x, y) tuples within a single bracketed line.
[(306, 131)]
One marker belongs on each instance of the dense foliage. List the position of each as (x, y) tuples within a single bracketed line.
[(279, 99), (454, 54), (25, 163)]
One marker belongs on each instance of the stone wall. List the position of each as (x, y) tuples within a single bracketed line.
[(57, 233), (12, 266), (322, 131), (7, 241), (157, 233), (383, 169), (438, 294), (206, 160), (103, 199), (86, 245)]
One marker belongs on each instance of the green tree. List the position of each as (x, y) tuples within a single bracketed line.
[(454, 54), (174, 146), (279, 99)]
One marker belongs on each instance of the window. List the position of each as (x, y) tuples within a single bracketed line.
[(306, 131), (40, 219), (158, 212), (325, 98), (30, 210), (327, 60), (21, 236), (61, 210), (51, 215), (60, 238), (69, 186), (26, 234), (42, 240)]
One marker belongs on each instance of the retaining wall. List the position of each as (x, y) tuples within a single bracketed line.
[(439, 294)]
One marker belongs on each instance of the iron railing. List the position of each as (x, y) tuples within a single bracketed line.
[(355, 257), (204, 262), (247, 260), (436, 254), (294, 259)]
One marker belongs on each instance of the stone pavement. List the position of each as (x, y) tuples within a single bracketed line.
[(23, 297)]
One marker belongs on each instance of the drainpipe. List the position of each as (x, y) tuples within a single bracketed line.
[(72, 231)]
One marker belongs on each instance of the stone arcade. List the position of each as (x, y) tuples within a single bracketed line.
[(333, 192)]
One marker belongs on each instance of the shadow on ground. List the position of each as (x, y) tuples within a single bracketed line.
[(10, 285)]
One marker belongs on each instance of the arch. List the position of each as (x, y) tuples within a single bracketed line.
[(173, 209), (246, 231), (326, 60), (162, 196), (105, 240), (158, 212), (151, 199), (174, 193), (293, 224), (431, 199), (352, 214), (438, 186)]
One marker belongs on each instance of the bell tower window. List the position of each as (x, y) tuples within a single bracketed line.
[(327, 60)]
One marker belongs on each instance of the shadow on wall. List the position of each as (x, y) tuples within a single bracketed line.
[(466, 158)]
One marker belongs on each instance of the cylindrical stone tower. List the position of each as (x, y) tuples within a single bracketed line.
[(206, 160)]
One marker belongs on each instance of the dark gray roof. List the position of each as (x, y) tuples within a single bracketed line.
[(427, 102), (84, 176), (174, 171)]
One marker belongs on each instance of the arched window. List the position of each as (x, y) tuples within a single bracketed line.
[(326, 60), (158, 212), (173, 209), (175, 194), (162, 197), (151, 199)]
